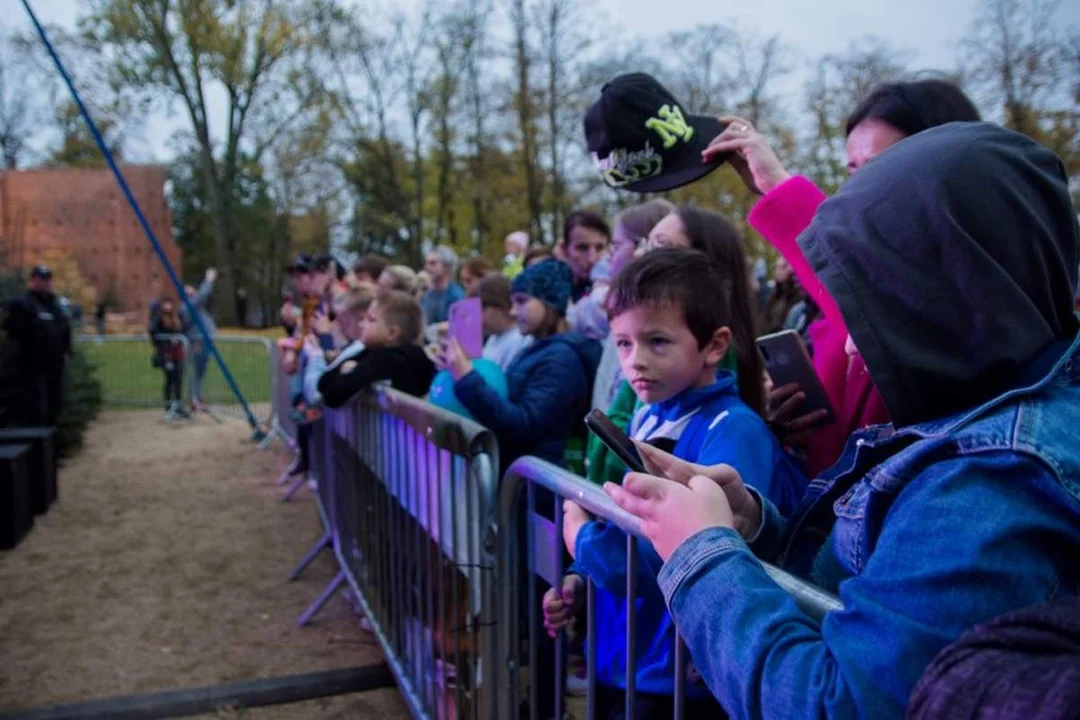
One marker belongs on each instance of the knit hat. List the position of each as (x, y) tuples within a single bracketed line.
[(549, 281)]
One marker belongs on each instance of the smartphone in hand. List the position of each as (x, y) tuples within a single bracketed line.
[(615, 439), (466, 326), (787, 361)]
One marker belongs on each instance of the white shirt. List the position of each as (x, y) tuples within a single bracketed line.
[(504, 349)]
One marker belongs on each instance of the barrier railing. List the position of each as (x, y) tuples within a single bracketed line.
[(129, 378), (406, 493), (543, 556), (281, 396), (251, 361)]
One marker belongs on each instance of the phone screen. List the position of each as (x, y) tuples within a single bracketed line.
[(615, 439), (466, 326)]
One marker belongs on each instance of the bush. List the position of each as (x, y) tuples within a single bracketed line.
[(82, 402), (82, 391)]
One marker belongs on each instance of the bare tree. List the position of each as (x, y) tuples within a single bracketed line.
[(1016, 55), (757, 63), (414, 57), (841, 81), (525, 108), (700, 78), (253, 52), (16, 125), (477, 55)]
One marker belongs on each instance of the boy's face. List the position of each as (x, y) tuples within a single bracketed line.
[(528, 312), (374, 331), (659, 355)]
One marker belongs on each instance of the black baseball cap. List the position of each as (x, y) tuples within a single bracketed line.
[(41, 271), (302, 264), (642, 139)]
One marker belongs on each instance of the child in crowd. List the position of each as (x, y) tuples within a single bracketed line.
[(504, 341), (323, 350), (548, 390), (549, 383), (670, 319), (710, 233), (390, 331)]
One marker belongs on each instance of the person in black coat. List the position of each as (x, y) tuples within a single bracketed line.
[(41, 332)]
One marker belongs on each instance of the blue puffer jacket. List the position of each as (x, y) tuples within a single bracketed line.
[(549, 387)]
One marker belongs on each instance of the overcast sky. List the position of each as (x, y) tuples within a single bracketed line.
[(929, 29)]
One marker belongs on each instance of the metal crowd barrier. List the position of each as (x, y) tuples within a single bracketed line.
[(406, 493), (251, 361), (282, 424), (125, 368), (544, 557)]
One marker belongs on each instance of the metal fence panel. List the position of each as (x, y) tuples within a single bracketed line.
[(124, 365), (412, 496), (252, 363), (543, 556)]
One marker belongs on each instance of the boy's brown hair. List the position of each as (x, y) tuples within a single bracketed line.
[(402, 311), (493, 291), (679, 277)]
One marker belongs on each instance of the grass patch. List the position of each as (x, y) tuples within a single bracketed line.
[(129, 380)]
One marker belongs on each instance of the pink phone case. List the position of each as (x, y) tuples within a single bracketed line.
[(466, 326)]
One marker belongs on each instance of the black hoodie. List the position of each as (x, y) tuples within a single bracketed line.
[(953, 257), (407, 367)]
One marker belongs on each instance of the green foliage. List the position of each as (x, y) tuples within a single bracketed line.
[(82, 402)]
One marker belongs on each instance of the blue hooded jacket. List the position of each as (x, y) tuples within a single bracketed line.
[(707, 426), (548, 391)]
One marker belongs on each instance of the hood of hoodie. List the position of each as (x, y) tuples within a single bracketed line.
[(953, 257)]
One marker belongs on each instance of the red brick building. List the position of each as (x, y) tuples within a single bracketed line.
[(84, 212)]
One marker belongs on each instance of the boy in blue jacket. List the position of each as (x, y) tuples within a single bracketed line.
[(670, 324)]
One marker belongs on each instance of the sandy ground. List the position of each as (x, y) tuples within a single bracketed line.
[(163, 566)]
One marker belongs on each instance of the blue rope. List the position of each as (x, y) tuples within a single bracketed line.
[(142, 218)]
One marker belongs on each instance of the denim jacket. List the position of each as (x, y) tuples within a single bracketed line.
[(923, 531)]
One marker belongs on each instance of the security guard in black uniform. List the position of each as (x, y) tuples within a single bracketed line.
[(40, 329)]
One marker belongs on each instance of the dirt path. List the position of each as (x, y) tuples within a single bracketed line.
[(163, 566)]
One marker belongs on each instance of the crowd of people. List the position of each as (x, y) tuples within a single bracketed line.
[(935, 293)]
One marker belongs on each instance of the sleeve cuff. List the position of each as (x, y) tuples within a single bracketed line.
[(761, 515), (699, 550), (786, 210)]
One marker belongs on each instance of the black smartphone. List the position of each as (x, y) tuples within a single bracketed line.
[(616, 440), (787, 361)]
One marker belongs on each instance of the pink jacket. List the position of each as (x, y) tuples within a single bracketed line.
[(780, 216)]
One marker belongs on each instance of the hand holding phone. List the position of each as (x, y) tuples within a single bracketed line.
[(792, 374), (615, 439), (466, 326)]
